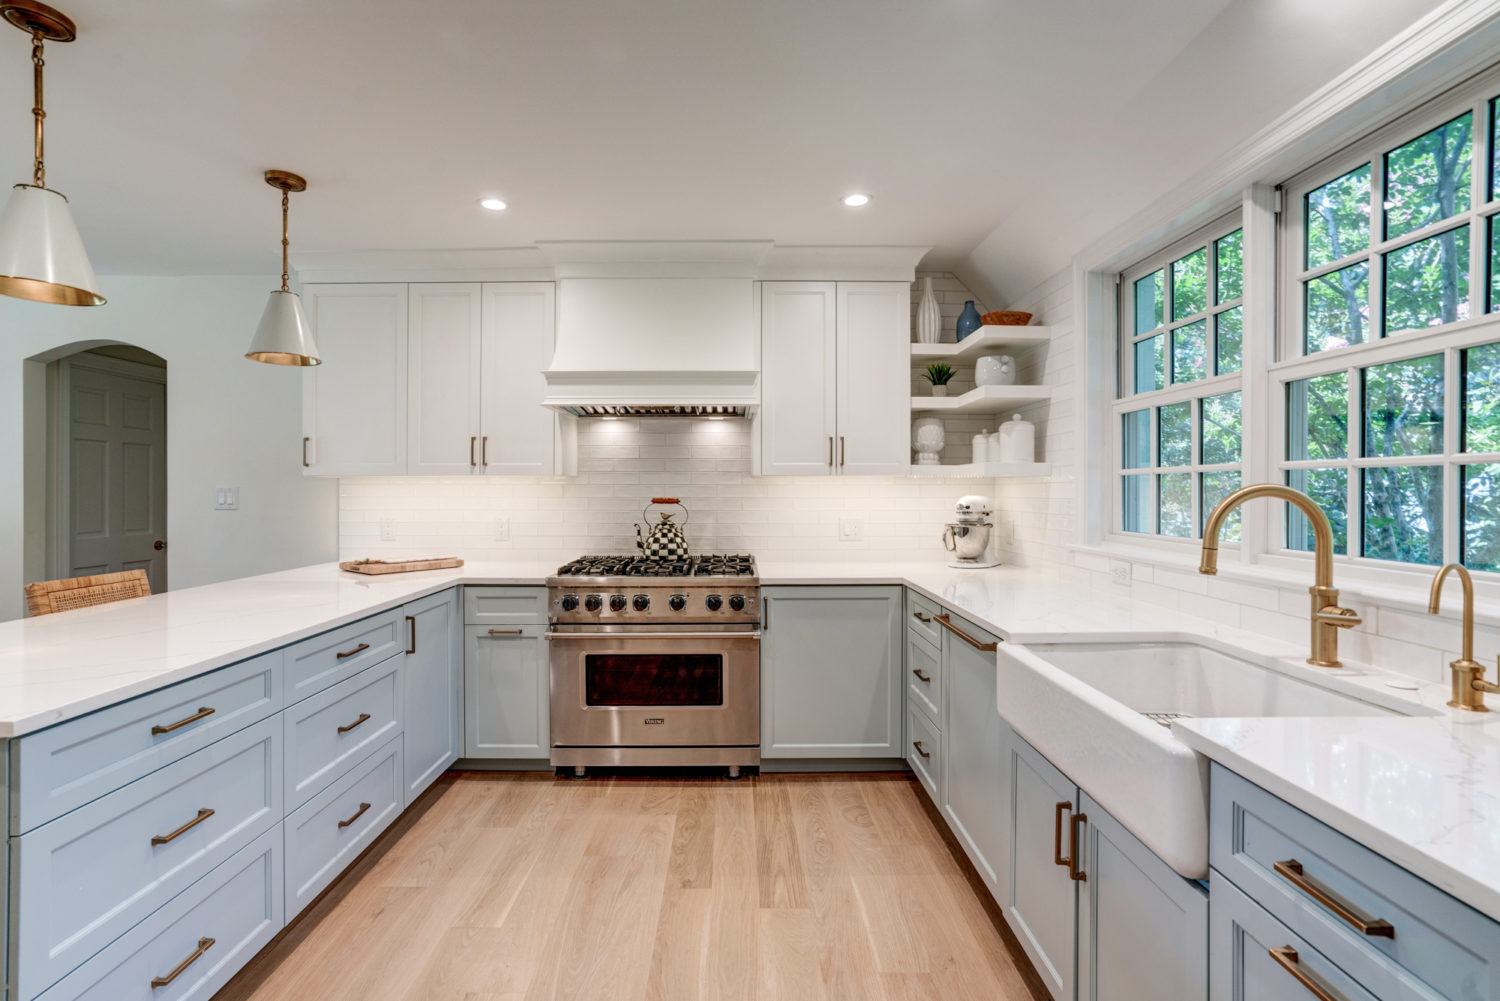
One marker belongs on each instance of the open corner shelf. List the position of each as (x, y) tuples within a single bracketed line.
[(981, 400), (989, 338), (987, 470)]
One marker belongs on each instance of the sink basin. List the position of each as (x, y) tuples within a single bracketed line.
[(1101, 712)]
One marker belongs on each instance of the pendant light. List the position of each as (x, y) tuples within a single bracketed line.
[(283, 337), (41, 253)]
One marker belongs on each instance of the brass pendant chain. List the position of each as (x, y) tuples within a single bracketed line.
[(285, 243), (39, 176)]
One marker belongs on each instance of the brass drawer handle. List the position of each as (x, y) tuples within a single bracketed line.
[(161, 839), (204, 944), (359, 649), (1075, 873), (473, 440), (363, 718), (411, 625), (484, 451), (357, 814), (841, 450), (305, 463), (924, 679), (1058, 858), (947, 624), (505, 632), (203, 711), (1291, 871), (920, 617), (1286, 957), (918, 745)]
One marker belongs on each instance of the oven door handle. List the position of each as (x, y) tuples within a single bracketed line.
[(651, 636)]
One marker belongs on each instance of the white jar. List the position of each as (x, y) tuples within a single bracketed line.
[(995, 370), (927, 439), (982, 447), (1017, 440)]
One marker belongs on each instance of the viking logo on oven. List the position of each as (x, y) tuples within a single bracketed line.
[(651, 720)]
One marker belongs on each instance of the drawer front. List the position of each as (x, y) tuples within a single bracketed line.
[(924, 677), (330, 831), (330, 657), (229, 915), (327, 733), (921, 618), (65, 766), (924, 752), (1433, 939), (516, 605), (86, 878), (1243, 966)]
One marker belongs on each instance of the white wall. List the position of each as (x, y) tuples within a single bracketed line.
[(230, 422)]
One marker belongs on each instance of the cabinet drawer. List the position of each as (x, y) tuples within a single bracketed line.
[(924, 752), (330, 657), (1259, 842), (486, 606), (921, 616), (328, 732), (330, 831), (924, 677), (87, 877), (1243, 967), (65, 766), (230, 914)]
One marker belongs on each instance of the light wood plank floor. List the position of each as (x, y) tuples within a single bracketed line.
[(528, 887)]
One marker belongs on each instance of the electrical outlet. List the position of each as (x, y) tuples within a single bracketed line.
[(387, 529), (226, 498), (851, 530), (1119, 571), (502, 529)]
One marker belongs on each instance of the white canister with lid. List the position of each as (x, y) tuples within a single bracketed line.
[(982, 447), (1017, 440)]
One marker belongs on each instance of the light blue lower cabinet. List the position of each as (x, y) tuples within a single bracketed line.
[(507, 699), (976, 740), (433, 675), (924, 753), (86, 878), (332, 828), (1142, 928), (194, 944), (331, 730), (1042, 904)]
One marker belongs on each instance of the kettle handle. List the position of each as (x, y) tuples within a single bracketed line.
[(664, 500)]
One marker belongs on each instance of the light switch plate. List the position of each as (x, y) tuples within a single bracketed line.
[(387, 529), (851, 530), (226, 498)]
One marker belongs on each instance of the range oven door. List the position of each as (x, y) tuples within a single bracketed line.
[(655, 689)]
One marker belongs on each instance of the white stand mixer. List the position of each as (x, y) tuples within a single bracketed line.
[(967, 537)]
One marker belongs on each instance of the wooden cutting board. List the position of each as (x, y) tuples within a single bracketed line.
[(401, 566)]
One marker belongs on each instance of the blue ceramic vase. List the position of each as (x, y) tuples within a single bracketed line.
[(968, 320)]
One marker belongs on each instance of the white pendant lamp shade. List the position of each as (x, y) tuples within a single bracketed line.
[(283, 337), (41, 254)]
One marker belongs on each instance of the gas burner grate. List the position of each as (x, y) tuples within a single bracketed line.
[(713, 565), (1165, 719)]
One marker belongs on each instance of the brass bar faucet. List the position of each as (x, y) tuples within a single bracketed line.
[(1469, 685), (1327, 618)]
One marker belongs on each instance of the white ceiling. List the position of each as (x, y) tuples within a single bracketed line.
[(970, 121)]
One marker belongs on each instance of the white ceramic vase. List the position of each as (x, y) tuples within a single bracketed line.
[(929, 316), (927, 440), (995, 370)]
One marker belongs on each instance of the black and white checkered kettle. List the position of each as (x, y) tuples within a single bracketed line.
[(665, 540)]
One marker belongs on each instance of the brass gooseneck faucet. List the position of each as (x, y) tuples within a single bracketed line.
[(1327, 617), (1469, 685)]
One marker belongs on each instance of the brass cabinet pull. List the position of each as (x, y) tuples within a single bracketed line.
[(1291, 871), (1057, 824), (305, 463), (924, 679), (830, 450), (484, 451), (918, 745), (1074, 872), (505, 632), (920, 617), (947, 624), (359, 649), (363, 718), (203, 711), (411, 624), (357, 814), (841, 450), (1286, 957), (161, 839), (204, 944), (473, 440)]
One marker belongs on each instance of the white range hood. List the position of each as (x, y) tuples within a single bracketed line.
[(656, 346)]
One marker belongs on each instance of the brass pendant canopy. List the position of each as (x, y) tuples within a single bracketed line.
[(284, 337), (41, 254)]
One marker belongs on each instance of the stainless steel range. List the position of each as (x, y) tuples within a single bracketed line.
[(655, 662)]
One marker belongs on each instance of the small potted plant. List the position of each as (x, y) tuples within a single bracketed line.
[(938, 373)]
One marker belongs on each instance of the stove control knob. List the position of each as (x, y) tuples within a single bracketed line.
[(715, 602), (737, 602), (593, 603), (617, 603), (678, 602), (641, 602), (569, 602)]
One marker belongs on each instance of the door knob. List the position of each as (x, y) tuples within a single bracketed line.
[(159, 545)]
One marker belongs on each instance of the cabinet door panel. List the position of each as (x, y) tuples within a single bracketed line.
[(442, 402), (978, 799), (433, 675), (830, 672), (797, 382), (506, 693), (874, 378), (523, 437), (1042, 906), (356, 399)]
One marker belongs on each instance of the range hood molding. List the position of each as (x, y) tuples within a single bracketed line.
[(577, 392)]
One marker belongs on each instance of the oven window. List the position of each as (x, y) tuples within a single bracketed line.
[(656, 679)]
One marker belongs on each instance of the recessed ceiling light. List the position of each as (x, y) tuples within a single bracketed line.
[(856, 200), (493, 204)]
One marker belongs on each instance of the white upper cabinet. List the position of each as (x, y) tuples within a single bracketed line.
[(443, 383), (354, 404), (835, 378), (517, 435)]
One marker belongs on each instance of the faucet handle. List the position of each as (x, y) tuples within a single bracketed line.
[(1341, 618)]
